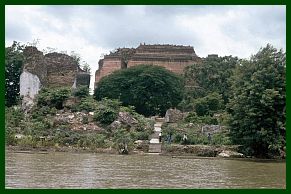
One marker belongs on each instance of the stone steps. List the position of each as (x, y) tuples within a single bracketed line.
[(160, 120), (155, 148), (154, 140), (158, 129)]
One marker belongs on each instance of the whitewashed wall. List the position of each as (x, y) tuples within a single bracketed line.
[(29, 84)]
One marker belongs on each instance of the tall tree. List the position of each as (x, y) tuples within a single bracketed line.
[(13, 68), (210, 76), (257, 105), (151, 89)]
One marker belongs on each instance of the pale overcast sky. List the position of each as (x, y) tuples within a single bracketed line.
[(95, 30)]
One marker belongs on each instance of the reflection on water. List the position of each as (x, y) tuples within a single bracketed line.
[(79, 170)]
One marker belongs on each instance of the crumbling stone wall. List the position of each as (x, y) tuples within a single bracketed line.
[(34, 63), (61, 70), (173, 115), (52, 70), (172, 57), (109, 65)]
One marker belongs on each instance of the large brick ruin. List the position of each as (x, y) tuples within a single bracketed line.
[(49, 70), (173, 57)]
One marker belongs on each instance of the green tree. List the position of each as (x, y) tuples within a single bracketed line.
[(13, 67), (86, 67), (209, 104), (257, 105), (150, 89), (212, 75)]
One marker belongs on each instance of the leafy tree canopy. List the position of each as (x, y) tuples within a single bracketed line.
[(150, 89), (257, 105), (13, 67), (212, 75)]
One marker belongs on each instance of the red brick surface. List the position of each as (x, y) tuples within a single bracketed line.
[(172, 57)]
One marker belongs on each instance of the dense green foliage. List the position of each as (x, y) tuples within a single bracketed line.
[(150, 89), (87, 104), (257, 105), (81, 92), (13, 67), (212, 75), (247, 97), (208, 105), (194, 134), (45, 125), (192, 117), (208, 86), (106, 111), (53, 97), (252, 90)]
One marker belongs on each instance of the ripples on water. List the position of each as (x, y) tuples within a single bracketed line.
[(79, 170)]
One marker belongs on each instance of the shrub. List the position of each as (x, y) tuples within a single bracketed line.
[(10, 139), (99, 140), (53, 97), (209, 104), (85, 120), (142, 135), (40, 112), (92, 141), (194, 134), (81, 92), (194, 118), (13, 116), (106, 111), (28, 141), (105, 115), (88, 104), (123, 140), (221, 139)]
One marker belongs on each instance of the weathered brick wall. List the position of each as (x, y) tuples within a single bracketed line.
[(53, 69), (175, 66), (109, 65), (172, 57), (61, 70), (34, 63)]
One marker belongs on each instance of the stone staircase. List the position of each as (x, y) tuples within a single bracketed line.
[(155, 146)]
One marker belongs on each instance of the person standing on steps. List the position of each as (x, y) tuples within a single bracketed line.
[(185, 139), (169, 138), (209, 138), (160, 137)]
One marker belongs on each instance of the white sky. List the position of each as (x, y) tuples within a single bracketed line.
[(92, 31)]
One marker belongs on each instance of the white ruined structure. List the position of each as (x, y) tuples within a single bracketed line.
[(51, 70), (29, 87), (29, 84)]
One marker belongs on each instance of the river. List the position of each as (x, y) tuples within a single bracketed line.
[(89, 170)]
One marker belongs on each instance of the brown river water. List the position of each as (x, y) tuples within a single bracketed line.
[(89, 170)]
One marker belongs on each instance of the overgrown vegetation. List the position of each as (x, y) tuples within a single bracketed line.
[(194, 134), (53, 98), (258, 101), (150, 89), (42, 128), (13, 68), (247, 98)]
